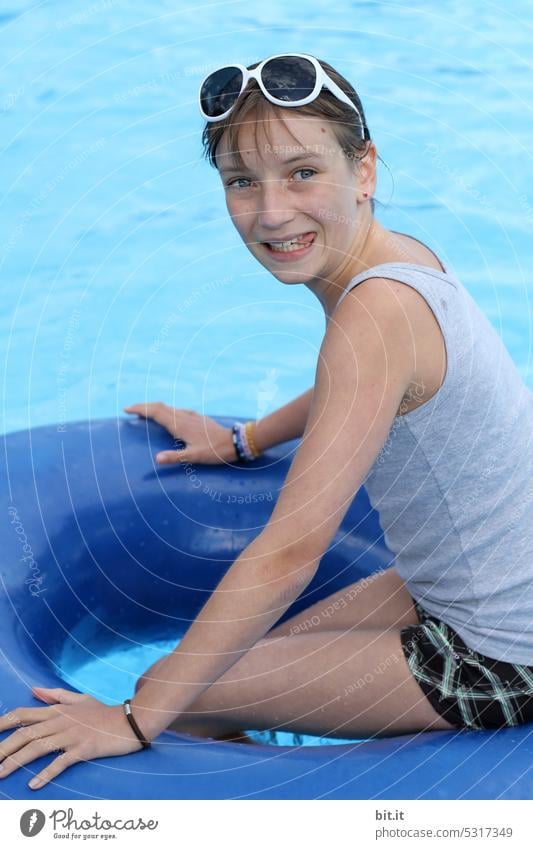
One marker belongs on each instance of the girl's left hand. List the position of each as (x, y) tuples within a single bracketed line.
[(76, 724)]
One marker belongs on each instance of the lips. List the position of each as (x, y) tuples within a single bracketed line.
[(291, 254)]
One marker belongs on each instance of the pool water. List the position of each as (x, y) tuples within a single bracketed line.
[(123, 279)]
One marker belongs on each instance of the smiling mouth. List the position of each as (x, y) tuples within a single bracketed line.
[(304, 240)]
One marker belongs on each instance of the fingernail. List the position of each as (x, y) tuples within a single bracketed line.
[(35, 782), (1, 767)]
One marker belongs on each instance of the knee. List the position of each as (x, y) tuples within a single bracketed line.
[(149, 674)]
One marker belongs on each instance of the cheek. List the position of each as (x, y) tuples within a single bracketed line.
[(240, 211), (334, 212), (339, 218), (235, 211)]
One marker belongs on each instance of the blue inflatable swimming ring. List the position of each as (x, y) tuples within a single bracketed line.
[(92, 531)]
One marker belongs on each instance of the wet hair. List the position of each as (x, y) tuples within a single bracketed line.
[(352, 137)]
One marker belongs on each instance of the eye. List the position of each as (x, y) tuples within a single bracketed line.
[(231, 183), (306, 170)]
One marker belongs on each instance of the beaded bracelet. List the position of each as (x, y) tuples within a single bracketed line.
[(248, 453), (237, 442), (250, 437), (245, 446)]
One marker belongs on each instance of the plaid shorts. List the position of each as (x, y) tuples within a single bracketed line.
[(468, 689)]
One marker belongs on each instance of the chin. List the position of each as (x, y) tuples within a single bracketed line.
[(296, 279)]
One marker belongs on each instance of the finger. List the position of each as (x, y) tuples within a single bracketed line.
[(23, 736), (153, 410), (159, 411), (54, 769), (166, 458), (135, 408), (29, 753), (24, 716), (58, 695)]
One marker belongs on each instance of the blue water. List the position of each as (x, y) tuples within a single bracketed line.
[(122, 277)]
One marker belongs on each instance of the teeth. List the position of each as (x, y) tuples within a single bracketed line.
[(291, 245)]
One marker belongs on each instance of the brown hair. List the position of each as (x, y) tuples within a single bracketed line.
[(346, 125)]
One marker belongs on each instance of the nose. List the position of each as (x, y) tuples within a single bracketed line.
[(275, 209)]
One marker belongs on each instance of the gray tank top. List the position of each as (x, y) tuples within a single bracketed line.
[(453, 482)]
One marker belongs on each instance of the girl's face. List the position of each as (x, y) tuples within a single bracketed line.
[(298, 186)]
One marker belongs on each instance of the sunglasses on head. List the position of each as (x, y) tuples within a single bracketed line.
[(290, 79)]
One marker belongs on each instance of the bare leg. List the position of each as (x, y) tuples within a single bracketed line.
[(379, 601), (332, 683), (199, 728)]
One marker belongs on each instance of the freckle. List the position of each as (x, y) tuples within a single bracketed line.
[(322, 130)]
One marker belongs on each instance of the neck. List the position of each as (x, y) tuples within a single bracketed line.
[(368, 249)]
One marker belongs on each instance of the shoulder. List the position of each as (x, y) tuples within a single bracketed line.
[(410, 330), (386, 297), (378, 314)]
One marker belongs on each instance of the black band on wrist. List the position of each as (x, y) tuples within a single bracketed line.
[(137, 731)]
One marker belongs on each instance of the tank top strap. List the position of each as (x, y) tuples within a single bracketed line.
[(404, 272)]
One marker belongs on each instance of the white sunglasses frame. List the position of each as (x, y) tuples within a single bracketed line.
[(322, 79)]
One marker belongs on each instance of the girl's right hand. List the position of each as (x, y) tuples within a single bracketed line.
[(206, 440)]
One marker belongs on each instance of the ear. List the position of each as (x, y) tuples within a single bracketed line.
[(366, 170)]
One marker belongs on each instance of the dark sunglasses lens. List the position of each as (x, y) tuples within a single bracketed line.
[(220, 91), (289, 78)]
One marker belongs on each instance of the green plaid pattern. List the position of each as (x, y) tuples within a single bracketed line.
[(469, 689)]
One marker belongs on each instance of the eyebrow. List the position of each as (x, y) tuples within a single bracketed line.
[(298, 158)]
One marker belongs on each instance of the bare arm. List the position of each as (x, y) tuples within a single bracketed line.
[(254, 593), (288, 422), (365, 365)]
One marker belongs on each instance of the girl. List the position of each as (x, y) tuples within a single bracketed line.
[(415, 397)]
